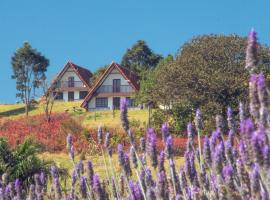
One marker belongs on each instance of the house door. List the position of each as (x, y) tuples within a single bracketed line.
[(116, 102), (116, 85), (70, 96)]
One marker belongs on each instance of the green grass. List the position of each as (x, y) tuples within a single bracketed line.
[(17, 110), (137, 118), (63, 160)]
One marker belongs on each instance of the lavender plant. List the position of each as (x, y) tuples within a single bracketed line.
[(233, 165)]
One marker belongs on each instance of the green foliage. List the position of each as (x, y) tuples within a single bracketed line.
[(148, 87), (140, 57), (158, 117), (29, 68), (21, 162), (98, 73), (182, 114), (208, 73)]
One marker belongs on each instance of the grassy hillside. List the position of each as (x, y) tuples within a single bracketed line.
[(89, 119)]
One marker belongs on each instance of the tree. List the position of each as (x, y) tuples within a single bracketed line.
[(148, 88), (140, 57), (98, 73), (29, 68), (48, 98), (208, 73)]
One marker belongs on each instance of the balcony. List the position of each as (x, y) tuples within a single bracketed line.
[(110, 90), (70, 85)]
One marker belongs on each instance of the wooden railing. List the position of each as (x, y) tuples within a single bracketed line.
[(111, 89), (69, 84)]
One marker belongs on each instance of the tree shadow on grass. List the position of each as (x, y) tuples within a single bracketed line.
[(14, 112)]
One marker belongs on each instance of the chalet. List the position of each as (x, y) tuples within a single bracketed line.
[(116, 82), (72, 83)]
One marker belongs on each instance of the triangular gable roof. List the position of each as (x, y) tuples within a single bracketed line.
[(83, 74), (130, 76)]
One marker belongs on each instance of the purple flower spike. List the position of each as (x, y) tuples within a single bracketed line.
[(251, 52), (162, 189), (42, 178), (261, 87), (107, 140), (190, 131), (255, 180), (219, 158), (72, 153), (121, 155), (231, 120), (114, 191), (98, 191), (152, 148), (133, 156), (169, 147), (246, 129), (18, 188), (257, 144), (142, 144), (207, 152), (100, 135), (241, 112), (132, 190), (123, 114), (165, 131), (89, 171), (220, 124), (69, 141), (266, 157), (161, 161), (83, 187), (138, 191), (198, 120), (253, 97), (228, 175)]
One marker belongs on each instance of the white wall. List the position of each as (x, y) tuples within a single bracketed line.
[(68, 73), (76, 95), (115, 74), (92, 102)]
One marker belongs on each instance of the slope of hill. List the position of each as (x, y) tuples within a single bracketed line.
[(89, 119)]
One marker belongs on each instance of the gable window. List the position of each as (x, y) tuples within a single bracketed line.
[(83, 94), (71, 81), (116, 85), (101, 102)]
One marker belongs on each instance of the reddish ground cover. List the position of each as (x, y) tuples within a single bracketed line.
[(50, 136)]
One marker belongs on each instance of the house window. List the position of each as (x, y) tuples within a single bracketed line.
[(58, 95), (71, 81), (130, 101), (83, 94), (101, 102)]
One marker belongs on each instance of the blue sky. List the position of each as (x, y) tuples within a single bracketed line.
[(92, 33)]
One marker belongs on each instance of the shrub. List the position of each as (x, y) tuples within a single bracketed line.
[(49, 136)]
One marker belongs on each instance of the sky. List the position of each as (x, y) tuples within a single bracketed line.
[(92, 33)]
